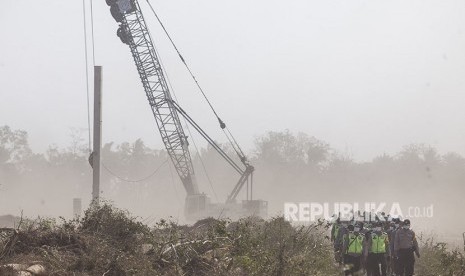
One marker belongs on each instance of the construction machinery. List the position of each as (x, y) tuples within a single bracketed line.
[(133, 31)]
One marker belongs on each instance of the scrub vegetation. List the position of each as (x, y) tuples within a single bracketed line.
[(109, 241)]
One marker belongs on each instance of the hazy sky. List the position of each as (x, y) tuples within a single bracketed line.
[(366, 76)]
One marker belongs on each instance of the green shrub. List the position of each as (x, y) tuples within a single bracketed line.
[(436, 259)]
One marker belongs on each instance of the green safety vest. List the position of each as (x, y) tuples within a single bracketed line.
[(355, 244), (378, 243)]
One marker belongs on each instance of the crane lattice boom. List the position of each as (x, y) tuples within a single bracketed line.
[(134, 32)]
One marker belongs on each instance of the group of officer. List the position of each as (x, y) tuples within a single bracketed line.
[(382, 247)]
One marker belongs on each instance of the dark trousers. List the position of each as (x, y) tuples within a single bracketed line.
[(353, 263), (374, 261), (337, 253), (392, 265), (337, 256), (405, 262)]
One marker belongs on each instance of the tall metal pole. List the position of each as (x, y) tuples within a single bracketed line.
[(97, 133)]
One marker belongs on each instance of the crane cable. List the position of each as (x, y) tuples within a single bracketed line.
[(87, 62), (134, 181), (238, 150), (223, 126), (87, 74), (183, 61), (186, 124), (92, 29)]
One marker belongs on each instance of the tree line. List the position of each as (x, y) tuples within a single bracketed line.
[(290, 167)]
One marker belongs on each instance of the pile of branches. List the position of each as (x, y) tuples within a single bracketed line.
[(108, 241)]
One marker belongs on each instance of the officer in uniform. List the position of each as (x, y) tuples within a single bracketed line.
[(335, 229), (391, 232), (394, 257), (405, 244), (353, 248), (338, 242), (377, 249), (337, 225)]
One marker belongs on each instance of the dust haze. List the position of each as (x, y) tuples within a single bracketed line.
[(334, 101), (290, 167)]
